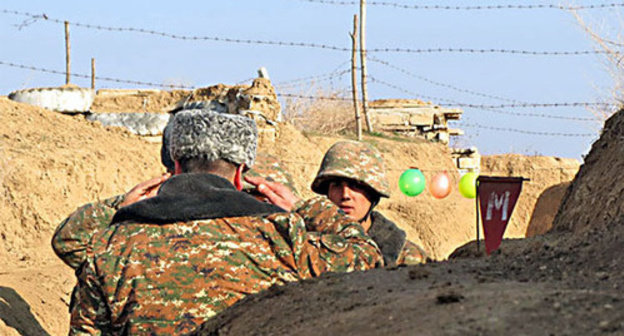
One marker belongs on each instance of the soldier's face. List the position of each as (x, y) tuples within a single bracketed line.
[(349, 196)]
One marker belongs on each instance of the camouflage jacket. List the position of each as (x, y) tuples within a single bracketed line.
[(72, 236), (168, 263), (392, 242)]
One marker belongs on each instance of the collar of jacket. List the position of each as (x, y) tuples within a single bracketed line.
[(388, 237), (187, 197)]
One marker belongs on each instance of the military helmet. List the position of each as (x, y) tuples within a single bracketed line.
[(270, 168), (356, 161)]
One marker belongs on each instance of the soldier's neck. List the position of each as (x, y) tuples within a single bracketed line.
[(366, 224)]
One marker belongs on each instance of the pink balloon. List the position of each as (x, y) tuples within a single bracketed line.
[(440, 185)]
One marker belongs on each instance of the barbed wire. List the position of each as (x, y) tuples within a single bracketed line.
[(515, 130), (178, 36), (315, 97), (108, 79), (417, 95), (496, 108), (538, 115), (492, 51), (308, 44), (293, 95), (440, 84), (471, 7), (304, 80)]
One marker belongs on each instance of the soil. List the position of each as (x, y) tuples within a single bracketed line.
[(52, 163)]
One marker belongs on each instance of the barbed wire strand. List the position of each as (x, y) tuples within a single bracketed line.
[(440, 84), (306, 80), (496, 108), (310, 44), (108, 79), (312, 97), (515, 130), (293, 95), (472, 7)]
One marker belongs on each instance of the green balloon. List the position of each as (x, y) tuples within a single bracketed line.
[(412, 182), (468, 185)]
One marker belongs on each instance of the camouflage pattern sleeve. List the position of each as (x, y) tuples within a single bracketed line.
[(330, 243), (88, 316), (411, 254), (72, 236)]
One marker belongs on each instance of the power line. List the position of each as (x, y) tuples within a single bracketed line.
[(108, 79), (472, 7), (310, 44), (440, 84)]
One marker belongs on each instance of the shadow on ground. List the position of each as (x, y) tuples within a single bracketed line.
[(15, 312)]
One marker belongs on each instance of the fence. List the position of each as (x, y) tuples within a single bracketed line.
[(509, 107)]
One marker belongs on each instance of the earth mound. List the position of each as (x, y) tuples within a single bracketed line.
[(594, 200)]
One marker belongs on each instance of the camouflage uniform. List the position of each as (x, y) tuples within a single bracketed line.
[(72, 236), (363, 163), (169, 263)]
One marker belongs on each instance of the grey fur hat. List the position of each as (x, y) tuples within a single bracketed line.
[(212, 135)]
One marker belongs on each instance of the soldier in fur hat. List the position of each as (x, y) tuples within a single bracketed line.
[(169, 262)]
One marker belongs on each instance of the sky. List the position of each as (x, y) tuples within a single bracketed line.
[(450, 79)]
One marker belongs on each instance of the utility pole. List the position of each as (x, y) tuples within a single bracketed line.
[(67, 51), (356, 106), (93, 73), (369, 125)]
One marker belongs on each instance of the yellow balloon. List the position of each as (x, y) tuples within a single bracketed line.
[(468, 185)]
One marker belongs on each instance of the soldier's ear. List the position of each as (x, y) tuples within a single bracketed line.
[(238, 177), (178, 169)]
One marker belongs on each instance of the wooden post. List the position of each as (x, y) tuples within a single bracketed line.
[(356, 106), (93, 73), (369, 126), (67, 50), (477, 209)]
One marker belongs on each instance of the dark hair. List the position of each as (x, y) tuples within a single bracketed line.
[(202, 165)]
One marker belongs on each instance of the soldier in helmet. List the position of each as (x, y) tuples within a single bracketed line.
[(353, 176), (169, 262)]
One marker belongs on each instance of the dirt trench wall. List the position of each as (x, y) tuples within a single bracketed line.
[(594, 200), (52, 163)]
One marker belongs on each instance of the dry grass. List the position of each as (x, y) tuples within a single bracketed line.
[(324, 116), (608, 39)]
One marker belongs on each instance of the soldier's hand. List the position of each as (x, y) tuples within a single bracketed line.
[(144, 190), (277, 193)]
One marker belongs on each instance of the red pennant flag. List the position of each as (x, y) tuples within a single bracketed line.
[(497, 198)]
